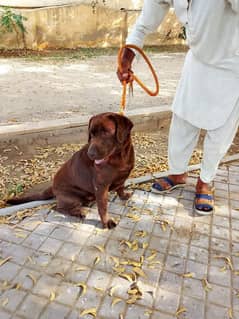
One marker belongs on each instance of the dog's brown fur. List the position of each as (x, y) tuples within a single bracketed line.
[(85, 177)]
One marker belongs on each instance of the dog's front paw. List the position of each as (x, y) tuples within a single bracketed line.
[(110, 224), (125, 195)]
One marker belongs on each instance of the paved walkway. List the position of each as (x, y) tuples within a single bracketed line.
[(160, 262), (51, 89)]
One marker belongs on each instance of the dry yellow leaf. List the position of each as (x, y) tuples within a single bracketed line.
[(180, 310), (134, 263), (139, 272), (152, 256), (80, 268), (97, 260), (20, 235), (83, 288), (140, 233), (115, 260), (100, 248), (132, 291), (230, 313), (29, 258), (60, 274), (52, 296), (126, 242), (187, 275), (99, 289), (91, 311), (3, 261), (206, 284), (134, 217), (135, 245), (32, 278), (148, 312), (226, 259), (129, 277), (223, 269), (115, 301), (112, 289), (5, 302), (132, 300)]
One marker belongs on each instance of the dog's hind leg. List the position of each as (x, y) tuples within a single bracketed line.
[(70, 204), (122, 193)]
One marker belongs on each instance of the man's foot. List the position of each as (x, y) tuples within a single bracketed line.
[(204, 201), (169, 183)]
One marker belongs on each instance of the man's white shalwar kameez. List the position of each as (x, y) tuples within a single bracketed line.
[(207, 96)]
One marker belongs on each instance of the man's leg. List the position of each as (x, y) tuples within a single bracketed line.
[(216, 144), (183, 138)]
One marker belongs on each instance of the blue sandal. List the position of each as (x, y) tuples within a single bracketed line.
[(165, 185), (204, 203)]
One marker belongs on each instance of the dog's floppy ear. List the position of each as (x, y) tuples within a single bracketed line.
[(89, 125), (123, 127)]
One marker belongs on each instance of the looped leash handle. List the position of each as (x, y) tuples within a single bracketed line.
[(141, 84)]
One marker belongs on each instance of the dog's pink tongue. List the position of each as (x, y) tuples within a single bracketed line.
[(97, 162)]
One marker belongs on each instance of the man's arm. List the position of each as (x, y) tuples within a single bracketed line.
[(235, 5), (150, 18)]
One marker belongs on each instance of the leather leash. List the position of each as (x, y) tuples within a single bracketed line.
[(143, 86)]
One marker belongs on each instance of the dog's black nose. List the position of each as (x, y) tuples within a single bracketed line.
[(92, 153)]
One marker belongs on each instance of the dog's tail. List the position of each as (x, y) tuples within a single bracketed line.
[(46, 194)]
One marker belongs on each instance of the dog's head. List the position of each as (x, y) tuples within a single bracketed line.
[(107, 133)]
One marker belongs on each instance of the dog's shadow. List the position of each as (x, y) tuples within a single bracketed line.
[(55, 216)]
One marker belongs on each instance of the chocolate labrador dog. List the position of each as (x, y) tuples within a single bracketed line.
[(102, 165)]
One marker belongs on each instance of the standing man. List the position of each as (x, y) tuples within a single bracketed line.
[(207, 96)]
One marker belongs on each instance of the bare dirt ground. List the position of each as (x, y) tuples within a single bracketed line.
[(21, 170), (55, 86)]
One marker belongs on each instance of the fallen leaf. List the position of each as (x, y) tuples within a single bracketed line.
[(80, 268), (97, 260), (52, 296), (5, 302), (91, 311), (187, 275), (112, 289), (60, 274), (180, 310), (99, 289), (139, 272), (115, 301), (3, 261), (83, 288), (132, 300), (152, 256), (206, 284), (100, 248), (230, 313), (32, 278), (140, 233), (226, 259), (129, 277)]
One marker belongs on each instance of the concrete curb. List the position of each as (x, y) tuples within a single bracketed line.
[(74, 130), (131, 181)]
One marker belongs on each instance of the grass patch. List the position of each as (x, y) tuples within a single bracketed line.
[(81, 53)]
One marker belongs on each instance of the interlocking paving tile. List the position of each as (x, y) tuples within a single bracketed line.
[(32, 306), (61, 266), (54, 311)]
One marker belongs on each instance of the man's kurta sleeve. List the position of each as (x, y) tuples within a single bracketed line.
[(150, 18), (235, 5)]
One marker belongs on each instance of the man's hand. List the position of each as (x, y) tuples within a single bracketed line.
[(124, 72)]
